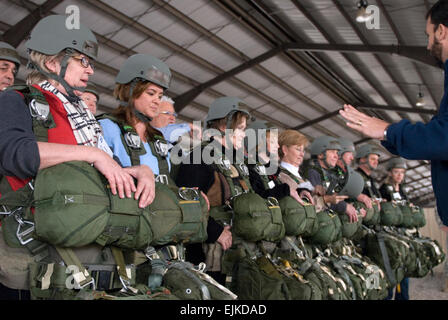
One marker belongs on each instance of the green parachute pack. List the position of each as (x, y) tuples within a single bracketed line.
[(82, 210)]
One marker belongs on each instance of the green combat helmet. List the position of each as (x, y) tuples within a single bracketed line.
[(323, 143), (51, 36), (91, 88), (366, 149), (143, 67), (8, 53), (354, 184), (396, 163), (346, 146), (225, 107)]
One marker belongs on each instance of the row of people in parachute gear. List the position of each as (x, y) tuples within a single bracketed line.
[(134, 147)]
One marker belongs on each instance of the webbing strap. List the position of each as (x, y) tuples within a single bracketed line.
[(386, 260), (299, 252), (161, 161), (339, 265), (121, 265), (81, 276), (123, 272)]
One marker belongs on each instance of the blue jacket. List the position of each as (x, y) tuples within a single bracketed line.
[(429, 141)]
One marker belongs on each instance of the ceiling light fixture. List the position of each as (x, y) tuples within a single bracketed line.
[(420, 101), (362, 15)]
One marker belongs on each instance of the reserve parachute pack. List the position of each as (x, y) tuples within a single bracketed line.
[(82, 210), (252, 217), (174, 210), (390, 214), (299, 219), (411, 216)]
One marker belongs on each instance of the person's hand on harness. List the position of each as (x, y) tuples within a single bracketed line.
[(363, 212), (334, 198), (378, 202), (366, 200), (304, 194), (225, 239), (293, 193), (206, 200), (319, 190), (146, 188), (119, 180), (352, 213)]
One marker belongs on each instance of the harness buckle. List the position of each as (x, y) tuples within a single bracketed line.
[(273, 202), (23, 224), (224, 164), (39, 110), (261, 170), (151, 254), (162, 178), (188, 194), (132, 140), (90, 283), (161, 148), (244, 169)]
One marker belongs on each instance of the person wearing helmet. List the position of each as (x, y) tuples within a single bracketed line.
[(263, 164), (127, 130), (226, 123), (91, 97), (392, 190), (9, 65), (324, 157), (417, 141), (46, 123), (345, 162), (367, 157)]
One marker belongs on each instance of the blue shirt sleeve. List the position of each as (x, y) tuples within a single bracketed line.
[(419, 141), (112, 135), (172, 132)]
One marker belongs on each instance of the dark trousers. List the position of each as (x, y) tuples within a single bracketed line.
[(13, 294), (404, 291)]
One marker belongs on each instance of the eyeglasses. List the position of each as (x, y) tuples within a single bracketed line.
[(85, 62), (174, 114)]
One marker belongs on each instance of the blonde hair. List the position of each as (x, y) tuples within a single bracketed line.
[(291, 138), (40, 59)]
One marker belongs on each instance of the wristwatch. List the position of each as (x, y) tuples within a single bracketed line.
[(385, 134)]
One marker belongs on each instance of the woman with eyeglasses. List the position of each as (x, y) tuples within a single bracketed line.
[(45, 124)]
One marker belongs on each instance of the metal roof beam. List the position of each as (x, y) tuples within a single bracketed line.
[(100, 5), (15, 35), (416, 53), (185, 98)]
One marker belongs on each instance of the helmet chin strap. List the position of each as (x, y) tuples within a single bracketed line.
[(60, 78), (326, 163)]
